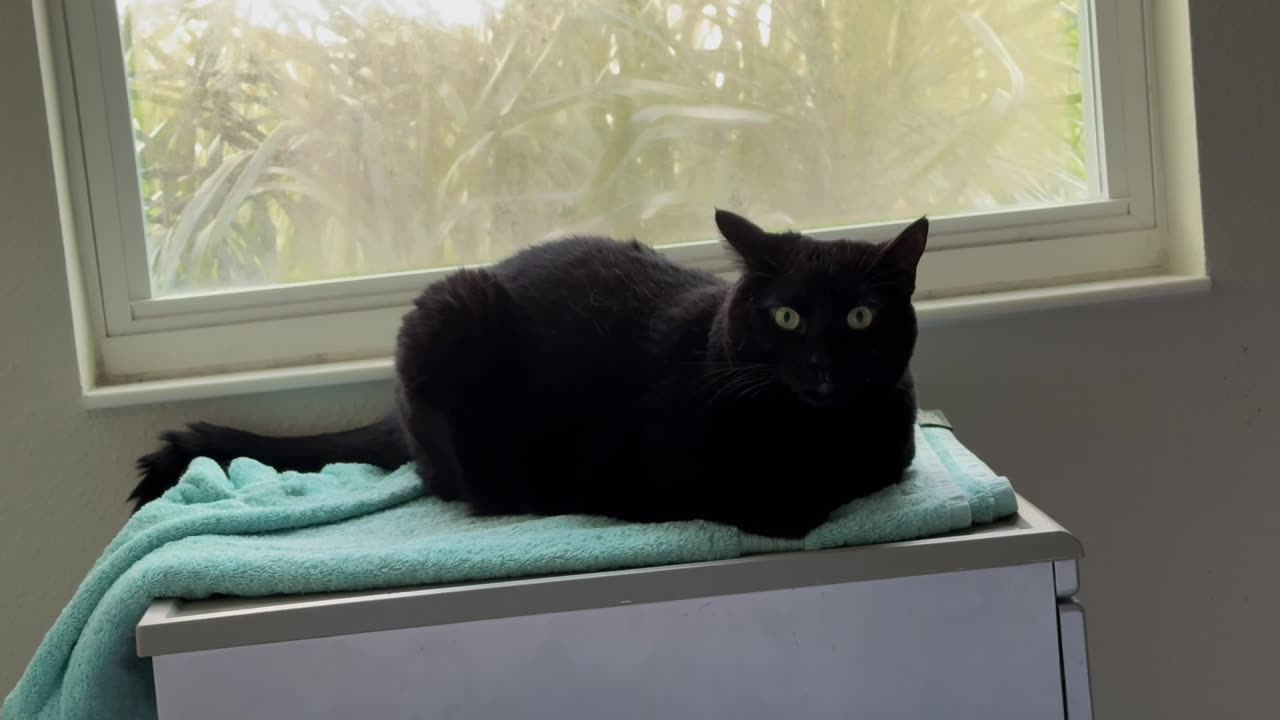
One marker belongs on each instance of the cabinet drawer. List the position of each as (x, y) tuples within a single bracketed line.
[(973, 644)]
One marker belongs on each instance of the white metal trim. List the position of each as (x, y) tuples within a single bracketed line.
[(100, 233), (396, 289), (370, 332), (931, 313), (1122, 120), (82, 282), (1089, 89), (1073, 648), (125, 187)]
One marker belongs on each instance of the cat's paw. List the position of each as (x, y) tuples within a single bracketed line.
[(787, 526)]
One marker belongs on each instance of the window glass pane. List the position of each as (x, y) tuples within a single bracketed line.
[(283, 141)]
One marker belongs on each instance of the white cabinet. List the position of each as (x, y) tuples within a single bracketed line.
[(975, 625)]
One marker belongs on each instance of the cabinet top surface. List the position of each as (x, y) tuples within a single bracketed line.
[(177, 626)]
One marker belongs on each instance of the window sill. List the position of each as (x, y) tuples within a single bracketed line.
[(931, 313)]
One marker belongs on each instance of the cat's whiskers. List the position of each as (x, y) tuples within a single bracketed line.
[(740, 381)]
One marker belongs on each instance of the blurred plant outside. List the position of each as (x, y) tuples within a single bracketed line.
[(285, 141)]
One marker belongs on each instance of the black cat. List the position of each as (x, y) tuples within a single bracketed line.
[(592, 376)]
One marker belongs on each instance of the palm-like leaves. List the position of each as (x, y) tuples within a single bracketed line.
[(335, 141)]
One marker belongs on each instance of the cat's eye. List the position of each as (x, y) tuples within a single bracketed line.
[(786, 318), (860, 317)]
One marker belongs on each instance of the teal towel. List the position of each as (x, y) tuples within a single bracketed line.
[(253, 531)]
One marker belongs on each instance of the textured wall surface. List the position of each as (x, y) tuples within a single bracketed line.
[(1146, 429)]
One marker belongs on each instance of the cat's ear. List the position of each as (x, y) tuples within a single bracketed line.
[(756, 247), (901, 256)]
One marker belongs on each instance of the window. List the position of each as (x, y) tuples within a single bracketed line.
[(267, 184)]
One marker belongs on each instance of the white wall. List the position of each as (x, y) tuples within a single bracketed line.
[(1146, 429)]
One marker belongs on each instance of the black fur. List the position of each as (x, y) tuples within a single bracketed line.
[(592, 376), (380, 444)]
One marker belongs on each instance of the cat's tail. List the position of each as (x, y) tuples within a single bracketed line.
[(381, 444)]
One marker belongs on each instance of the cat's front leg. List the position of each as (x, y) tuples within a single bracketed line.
[(783, 517)]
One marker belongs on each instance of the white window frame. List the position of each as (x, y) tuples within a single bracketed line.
[(145, 349)]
